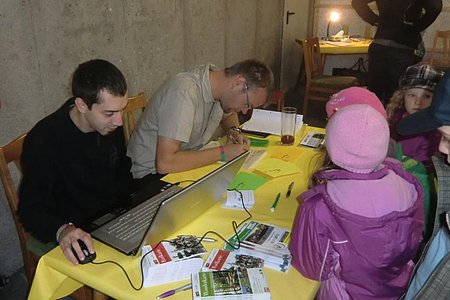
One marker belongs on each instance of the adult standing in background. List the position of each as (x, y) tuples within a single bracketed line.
[(185, 112), (398, 42)]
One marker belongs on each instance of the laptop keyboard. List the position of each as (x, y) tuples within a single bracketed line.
[(137, 220)]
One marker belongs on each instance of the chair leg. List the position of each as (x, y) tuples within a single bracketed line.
[(99, 295), (83, 293), (305, 102)]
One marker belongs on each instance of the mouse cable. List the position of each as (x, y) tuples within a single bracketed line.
[(125, 272), (235, 228), (233, 223)]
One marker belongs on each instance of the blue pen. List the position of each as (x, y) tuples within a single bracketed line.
[(171, 292)]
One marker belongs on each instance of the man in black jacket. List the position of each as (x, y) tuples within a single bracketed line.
[(74, 160), (398, 42)]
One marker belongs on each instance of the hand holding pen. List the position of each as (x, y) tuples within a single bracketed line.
[(238, 138)]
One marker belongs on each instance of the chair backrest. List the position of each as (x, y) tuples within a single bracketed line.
[(136, 105), (10, 154), (444, 60), (312, 58)]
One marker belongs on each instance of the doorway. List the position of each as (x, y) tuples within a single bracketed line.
[(297, 24)]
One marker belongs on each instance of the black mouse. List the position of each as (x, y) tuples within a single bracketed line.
[(88, 256)]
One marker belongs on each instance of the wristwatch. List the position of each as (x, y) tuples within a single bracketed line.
[(237, 129)]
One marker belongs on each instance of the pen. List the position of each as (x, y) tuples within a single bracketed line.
[(209, 240), (233, 139), (274, 205), (288, 193), (171, 292)]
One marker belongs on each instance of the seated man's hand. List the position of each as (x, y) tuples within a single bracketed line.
[(237, 138), (69, 238), (233, 150)]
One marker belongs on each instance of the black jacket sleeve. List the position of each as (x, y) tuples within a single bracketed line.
[(37, 185), (432, 10), (365, 12)]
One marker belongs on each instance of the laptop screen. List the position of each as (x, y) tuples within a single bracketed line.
[(182, 208)]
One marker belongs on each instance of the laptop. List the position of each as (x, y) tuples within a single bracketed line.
[(167, 212)]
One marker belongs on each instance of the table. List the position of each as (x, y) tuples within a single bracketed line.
[(56, 277), (333, 48), (340, 48)]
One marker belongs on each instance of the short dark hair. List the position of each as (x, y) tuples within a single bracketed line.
[(256, 73), (94, 76)]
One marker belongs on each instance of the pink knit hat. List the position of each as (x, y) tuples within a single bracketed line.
[(354, 95), (357, 138)]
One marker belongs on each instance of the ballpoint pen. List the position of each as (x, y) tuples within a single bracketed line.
[(289, 191), (233, 139), (206, 239), (171, 292), (274, 205)]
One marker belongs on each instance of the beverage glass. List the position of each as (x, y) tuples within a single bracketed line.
[(288, 121)]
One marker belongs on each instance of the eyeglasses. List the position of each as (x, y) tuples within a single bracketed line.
[(248, 106)]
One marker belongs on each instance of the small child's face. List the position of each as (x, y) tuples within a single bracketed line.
[(444, 145), (417, 99)]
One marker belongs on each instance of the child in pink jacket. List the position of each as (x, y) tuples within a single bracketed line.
[(357, 231)]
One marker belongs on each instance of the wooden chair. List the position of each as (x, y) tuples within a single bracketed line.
[(136, 104), (278, 99), (319, 86), (440, 57), (10, 154)]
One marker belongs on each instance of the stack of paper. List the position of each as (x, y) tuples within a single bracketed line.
[(172, 261), (265, 241), (220, 260), (268, 121), (234, 199), (241, 283)]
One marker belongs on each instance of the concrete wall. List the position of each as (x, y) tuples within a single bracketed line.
[(42, 42)]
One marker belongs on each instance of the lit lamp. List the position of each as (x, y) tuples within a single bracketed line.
[(334, 17)]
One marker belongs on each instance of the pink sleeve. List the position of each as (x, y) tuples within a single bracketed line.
[(309, 240)]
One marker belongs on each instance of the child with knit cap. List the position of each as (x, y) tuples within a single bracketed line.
[(415, 93), (358, 230), (353, 95)]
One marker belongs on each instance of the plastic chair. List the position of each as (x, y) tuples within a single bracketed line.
[(319, 86), (444, 53), (10, 154), (136, 105)]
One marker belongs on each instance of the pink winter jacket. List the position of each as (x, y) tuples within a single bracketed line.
[(357, 233)]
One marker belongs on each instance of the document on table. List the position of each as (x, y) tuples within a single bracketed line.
[(268, 121)]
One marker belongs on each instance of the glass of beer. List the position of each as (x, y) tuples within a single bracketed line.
[(288, 122)]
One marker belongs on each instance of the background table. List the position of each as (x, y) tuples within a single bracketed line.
[(340, 48), (56, 277)]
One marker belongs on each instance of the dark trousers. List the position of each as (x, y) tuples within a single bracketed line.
[(386, 65)]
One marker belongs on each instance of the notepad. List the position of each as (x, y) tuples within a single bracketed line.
[(274, 167), (268, 121)]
